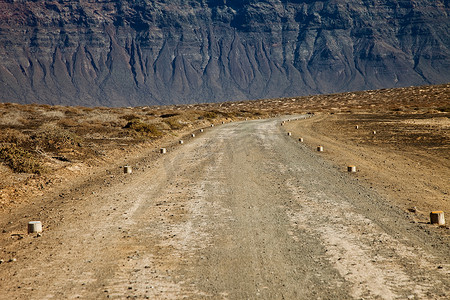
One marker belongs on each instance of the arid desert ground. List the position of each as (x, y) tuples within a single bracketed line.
[(240, 210)]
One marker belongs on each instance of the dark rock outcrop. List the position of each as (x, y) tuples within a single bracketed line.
[(120, 53)]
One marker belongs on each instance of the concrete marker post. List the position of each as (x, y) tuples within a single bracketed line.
[(356, 127), (181, 142), (320, 148), (163, 150), (34, 227), (289, 133), (351, 169), (193, 135), (127, 169), (437, 217), (300, 140)]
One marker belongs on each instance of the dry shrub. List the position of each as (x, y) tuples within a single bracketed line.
[(129, 117), (72, 111), (45, 106), (53, 114), (100, 118), (174, 123), (12, 136), (190, 115), (13, 118), (444, 109), (169, 115), (30, 108), (51, 137), (66, 123), (142, 128), (19, 160), (210, 115)]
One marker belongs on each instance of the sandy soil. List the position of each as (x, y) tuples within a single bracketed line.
[(242, 211), (407, 160)]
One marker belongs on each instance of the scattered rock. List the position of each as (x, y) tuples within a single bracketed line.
[(412, 209)]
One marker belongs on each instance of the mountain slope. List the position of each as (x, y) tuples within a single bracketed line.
[(118, 53)]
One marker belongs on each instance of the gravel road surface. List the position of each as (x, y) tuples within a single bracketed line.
[(242, 211)]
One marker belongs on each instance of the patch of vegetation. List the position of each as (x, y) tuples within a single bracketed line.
[(142, 128), (72, 111), (12, 136), (19, 160), (169, 115), (52, 137), (443, 109), (210, 115), (68, 122), (130, 117), (174, 123)]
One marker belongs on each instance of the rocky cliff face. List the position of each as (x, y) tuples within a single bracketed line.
[(120, 53)]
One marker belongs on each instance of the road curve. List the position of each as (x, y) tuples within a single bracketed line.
[(242, 211)]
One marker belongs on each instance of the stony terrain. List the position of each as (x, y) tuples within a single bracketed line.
[(120, 53)]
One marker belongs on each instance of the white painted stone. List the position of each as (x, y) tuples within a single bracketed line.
[(437, 217), (34, 226)]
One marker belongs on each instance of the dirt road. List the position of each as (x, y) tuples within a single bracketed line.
[(242, 211)]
